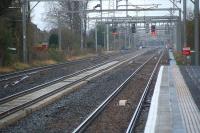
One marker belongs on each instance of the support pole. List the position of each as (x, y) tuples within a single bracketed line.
[(129, 36), (129, 40), (125, 36), (114, 43), (133, 41), (104, 40), (125, 40), (59, 35), (184, 23), (107, 33), (101, 9), (126, 8), (196, 32), (171, 29), (177, 36), (117, 4), (180, 46), (82, 23), (24, 14), (81, 33), (96, 37)]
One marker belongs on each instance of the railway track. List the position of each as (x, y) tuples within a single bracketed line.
[(138, 110), (18, 74), (91, 122), (25, 81), (22, 100)]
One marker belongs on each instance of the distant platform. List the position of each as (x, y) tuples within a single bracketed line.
[(174, 105)]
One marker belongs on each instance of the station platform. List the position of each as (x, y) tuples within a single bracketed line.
[(173, 109)]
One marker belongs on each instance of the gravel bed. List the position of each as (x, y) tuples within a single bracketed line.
[(115, 118), (191, 75), (140, 125), (67, 113), (8, 87)]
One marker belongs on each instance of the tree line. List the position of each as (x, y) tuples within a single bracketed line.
[(10, 29), (58, 15)]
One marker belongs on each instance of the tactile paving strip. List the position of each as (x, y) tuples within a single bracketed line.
[(189, 111)]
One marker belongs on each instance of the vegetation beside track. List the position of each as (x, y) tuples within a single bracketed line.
[(16, 66)]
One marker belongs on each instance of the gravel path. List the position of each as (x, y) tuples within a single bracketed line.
[(67, 113)]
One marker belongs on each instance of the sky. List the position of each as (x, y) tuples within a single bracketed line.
[(39, 12), (38, 15)]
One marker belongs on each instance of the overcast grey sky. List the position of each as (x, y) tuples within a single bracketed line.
[(38, 14)]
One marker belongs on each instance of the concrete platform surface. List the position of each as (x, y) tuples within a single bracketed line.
[(173, 109)]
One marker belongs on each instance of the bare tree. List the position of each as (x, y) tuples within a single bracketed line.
[(69, 14)]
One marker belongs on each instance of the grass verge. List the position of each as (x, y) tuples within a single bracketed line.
[(180, 59), (37, 63)]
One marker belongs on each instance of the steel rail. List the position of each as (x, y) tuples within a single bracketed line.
[(31, 69), (11, 97), (137, 112), (6, 113), (13, 110), (12, 75), (35, 88), (98, 110)]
